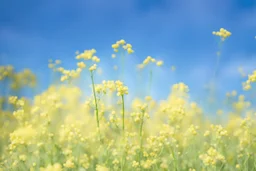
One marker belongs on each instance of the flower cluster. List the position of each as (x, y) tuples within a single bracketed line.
[(121, 88), (124, 45), (87, 55), (223, 33), (211, 157), (149, 60), (69, 74), (251, 79)]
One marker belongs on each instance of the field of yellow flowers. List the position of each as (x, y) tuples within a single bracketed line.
[(60, 130)]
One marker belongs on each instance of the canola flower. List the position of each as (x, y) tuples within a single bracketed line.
[(122, 48), (211, 157), (61, 130), (251, 79), (122, 44), (222, 33)]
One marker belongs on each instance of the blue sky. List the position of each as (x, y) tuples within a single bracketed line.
[(178, 32)]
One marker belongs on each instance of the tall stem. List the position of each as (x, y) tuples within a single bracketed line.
[(96, 103), (123, 113), (141, 139)]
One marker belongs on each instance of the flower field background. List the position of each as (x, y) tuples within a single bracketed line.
[(62, 129)]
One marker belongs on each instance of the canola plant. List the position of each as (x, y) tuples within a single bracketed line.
[(58, 129)]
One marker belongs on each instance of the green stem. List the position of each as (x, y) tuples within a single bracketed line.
[(123, 113), (141, 139), (123, 162), (175, 159), (96, 104)]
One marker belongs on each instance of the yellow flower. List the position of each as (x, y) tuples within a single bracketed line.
[(81, 65), (63, 78), (115, 46), (69, 164), (93, 67), (23, 135), (86, 55), (153, 60), (148, 98), (159, 63), (147, 60), (12, 99), (130, 51), (121, 89), (223, 33), (55, 167), (95, 59), (101, 168), (128, 46), (135, 164), (122, 42), (211, 157), (206, 133)]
